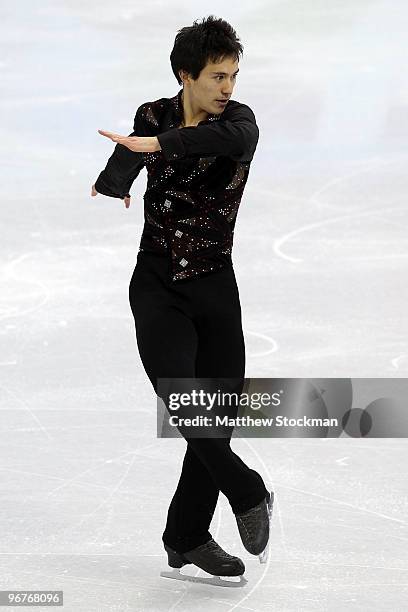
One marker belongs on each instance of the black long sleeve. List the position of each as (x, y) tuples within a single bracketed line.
[(235, 136), (122, 167)]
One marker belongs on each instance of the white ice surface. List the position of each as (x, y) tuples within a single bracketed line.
[(320, 254)]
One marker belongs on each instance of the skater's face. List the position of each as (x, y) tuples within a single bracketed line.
[(215, 82)]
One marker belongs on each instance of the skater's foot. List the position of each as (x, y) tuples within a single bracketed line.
[(209, 557), (254, 526)]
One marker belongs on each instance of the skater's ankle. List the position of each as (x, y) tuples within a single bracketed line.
[(251, 502)]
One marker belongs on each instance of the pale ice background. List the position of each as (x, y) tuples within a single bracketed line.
[(321, 253)]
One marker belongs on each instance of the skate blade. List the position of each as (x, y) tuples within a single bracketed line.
[(223, 581), (264, 555)]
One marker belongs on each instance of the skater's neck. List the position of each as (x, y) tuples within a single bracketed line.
[(192, 112)]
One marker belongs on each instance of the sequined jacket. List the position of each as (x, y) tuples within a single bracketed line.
[(195, 183)]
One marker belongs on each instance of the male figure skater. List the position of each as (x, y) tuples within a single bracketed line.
[(197, 147)]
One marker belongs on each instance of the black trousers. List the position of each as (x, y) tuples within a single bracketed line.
[(192, 328)]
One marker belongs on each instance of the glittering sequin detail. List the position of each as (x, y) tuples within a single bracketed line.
[(205, 162), (191, 204), (239, 177), (149, 116)]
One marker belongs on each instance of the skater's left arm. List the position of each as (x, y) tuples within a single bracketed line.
[(234, 135)]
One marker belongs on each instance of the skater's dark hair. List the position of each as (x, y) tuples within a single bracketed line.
[(209, 41)]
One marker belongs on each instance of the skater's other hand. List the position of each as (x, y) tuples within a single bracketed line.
[(126, 199), (138, 144)]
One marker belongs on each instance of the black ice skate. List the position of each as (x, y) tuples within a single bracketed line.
[(211, 558), (254, 527)]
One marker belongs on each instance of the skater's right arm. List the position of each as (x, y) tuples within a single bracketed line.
[(122, 169)]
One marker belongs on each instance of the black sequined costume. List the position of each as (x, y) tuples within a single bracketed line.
[(195, 183)]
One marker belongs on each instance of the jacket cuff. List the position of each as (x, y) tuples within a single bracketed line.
[(171, 144), (102, 187)]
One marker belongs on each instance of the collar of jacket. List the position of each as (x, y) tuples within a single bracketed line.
[(177, 105)]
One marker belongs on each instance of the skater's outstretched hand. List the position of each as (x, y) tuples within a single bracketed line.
[(126, 199), (138, 144)]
